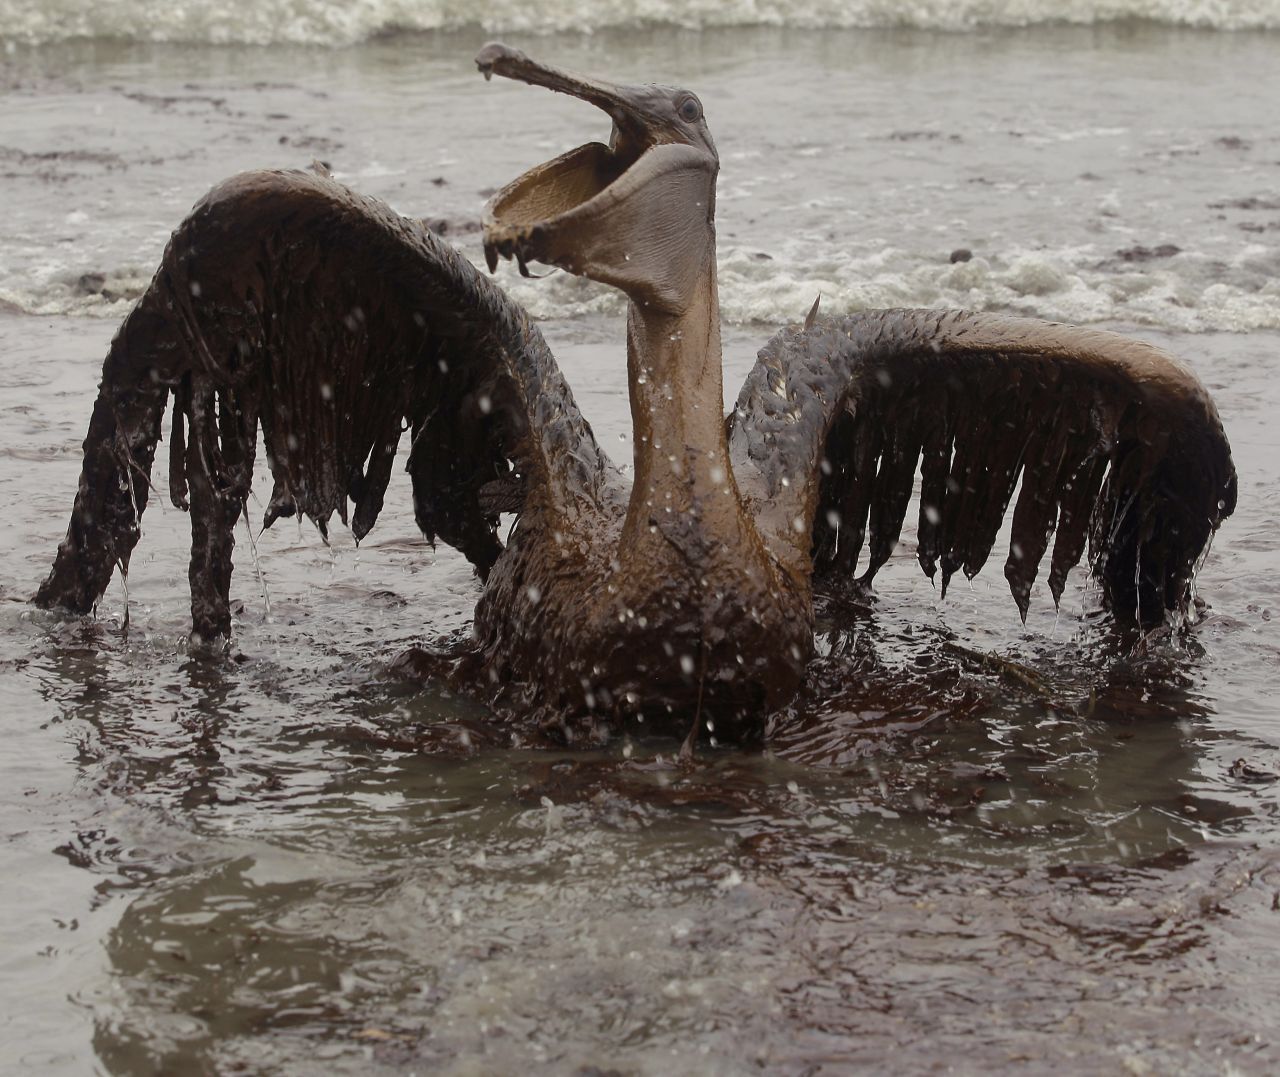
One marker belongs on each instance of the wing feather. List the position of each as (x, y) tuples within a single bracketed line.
[(288, 303), (1106, 440)]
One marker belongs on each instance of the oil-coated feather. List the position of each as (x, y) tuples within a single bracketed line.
[(289, 303), (1111, 440)]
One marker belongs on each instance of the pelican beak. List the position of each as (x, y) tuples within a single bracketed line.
[(635, 126), (545, 214)]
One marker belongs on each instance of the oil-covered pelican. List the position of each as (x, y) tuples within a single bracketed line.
[(289, 303)]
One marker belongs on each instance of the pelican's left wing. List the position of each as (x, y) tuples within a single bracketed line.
[(1112, 439), (290, 303)]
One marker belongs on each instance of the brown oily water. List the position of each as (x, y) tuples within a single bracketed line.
[(970, 845), (1050, 830)]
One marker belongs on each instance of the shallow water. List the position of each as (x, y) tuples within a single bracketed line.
[(1101, 173), (977, 845)]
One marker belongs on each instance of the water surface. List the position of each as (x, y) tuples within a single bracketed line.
[(976, 845)]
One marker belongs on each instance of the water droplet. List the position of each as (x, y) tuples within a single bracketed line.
[(797, 524), (443, 365), (717, 475), (535, 595), (195, 288), (326, 391), (485, 404), (734, 878), (932, 515), (686, 664)]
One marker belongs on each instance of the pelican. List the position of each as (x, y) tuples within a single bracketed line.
[(290, 304)]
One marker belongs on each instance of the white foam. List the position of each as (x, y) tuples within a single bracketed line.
[(1080, 285), (343, 22), (55, 290)]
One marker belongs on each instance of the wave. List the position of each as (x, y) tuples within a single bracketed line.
[(347, 22), (1162, 288)]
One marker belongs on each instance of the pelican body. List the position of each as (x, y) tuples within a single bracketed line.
[(685, 593)]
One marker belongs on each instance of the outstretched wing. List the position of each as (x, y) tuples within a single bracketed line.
[(288, 302), (1112, 439)]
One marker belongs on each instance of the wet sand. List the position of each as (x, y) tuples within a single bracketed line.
[(977, 846)]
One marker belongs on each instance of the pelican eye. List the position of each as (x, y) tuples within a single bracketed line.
[(689, 110)]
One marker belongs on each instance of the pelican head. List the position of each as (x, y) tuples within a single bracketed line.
[(637, 213)]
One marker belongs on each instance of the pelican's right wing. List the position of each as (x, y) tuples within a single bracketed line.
[(288, 302), (1110, 438)]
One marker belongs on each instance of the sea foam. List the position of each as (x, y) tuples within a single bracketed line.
[(1185, 292), (344, 22)]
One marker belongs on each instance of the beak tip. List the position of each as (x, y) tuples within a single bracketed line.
[(493, 54)]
